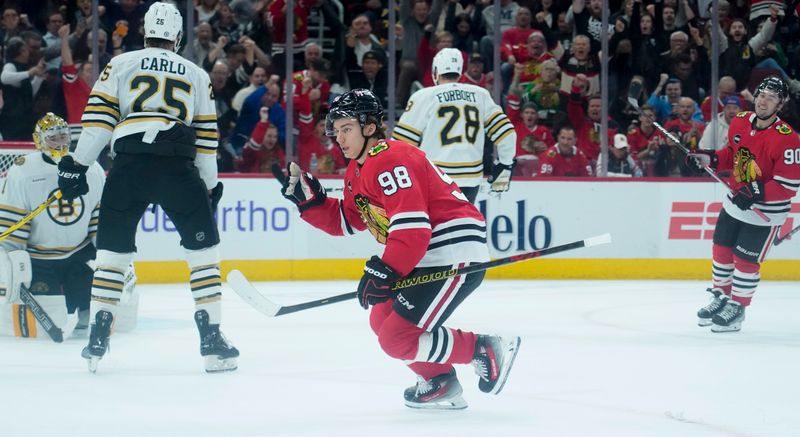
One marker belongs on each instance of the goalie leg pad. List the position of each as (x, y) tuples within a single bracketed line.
[(18, 320), (15, 271)]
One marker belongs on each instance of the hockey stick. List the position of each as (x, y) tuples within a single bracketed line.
[(788, 236), (249, 294), (41, 315), (634, 90), (55, 196)]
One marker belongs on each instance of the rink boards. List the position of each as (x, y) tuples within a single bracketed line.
[(660, 230)]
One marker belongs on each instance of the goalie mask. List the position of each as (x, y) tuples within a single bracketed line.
[(51, 136)]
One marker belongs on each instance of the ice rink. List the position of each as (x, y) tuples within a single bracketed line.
[(598, 358)]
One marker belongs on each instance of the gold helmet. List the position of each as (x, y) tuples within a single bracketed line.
[(51, 136)]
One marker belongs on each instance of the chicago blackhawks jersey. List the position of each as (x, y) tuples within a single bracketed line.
[(408, 204), (448, 122), (771, 156), (145, 92), (65, 226)]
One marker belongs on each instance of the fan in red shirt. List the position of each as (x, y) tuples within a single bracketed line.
[(763, 157), (526, 123), (313, 141), (262, 150), (427, 224), (427, 50), (474, 74), (565, 159), (76, 82)]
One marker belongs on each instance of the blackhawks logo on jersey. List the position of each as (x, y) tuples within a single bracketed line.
[(378, 148), (784, 129), (374, 217), (745, 168)]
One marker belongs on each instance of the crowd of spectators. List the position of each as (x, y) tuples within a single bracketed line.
[(550, 72)]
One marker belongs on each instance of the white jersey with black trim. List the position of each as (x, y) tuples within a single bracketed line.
[(448, 123), (148, 91), (65, 226)]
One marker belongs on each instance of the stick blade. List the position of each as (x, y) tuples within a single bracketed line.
[(245, 289), (598, 240)]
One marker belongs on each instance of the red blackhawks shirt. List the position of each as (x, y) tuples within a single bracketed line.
[(408, 204), (770, 155)]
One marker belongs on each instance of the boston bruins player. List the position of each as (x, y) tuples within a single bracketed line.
[(52, 254), (448, 121), (157, 110)]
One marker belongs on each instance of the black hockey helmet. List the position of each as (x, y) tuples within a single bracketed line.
[(359, 104), (774, 84)]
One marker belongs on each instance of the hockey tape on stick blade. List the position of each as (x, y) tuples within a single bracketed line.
[(41, 316), (245, 289)]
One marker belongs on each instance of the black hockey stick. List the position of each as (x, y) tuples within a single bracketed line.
[(634, 89), (41, 316), (788, 236), (245, 289)]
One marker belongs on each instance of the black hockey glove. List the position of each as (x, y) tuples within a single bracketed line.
[(694, 160), (214, 195), (72, 178), (501, 176), (748, 195), (303, 189), (376, 284)]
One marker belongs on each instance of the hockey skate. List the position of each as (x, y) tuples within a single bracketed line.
[(493, 359), (718, 302), (219, 355), (441, 392), (98, 339), (729, 319)]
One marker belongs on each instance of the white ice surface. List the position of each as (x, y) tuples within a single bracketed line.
[(598, 358)]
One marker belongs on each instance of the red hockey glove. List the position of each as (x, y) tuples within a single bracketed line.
[(748, 195), (376, 284)]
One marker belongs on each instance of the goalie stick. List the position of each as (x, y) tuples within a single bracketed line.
[(634, 90), (41, 315), (788, 236), (245, 289), (53, 197)]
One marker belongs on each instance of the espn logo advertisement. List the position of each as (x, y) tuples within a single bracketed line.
[(696, 220)]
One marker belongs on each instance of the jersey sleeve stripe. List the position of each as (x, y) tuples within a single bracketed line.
[(403, 226), (790, 184), (98, 123), (409, 128), (111, 100), (102, 108), (410, 214), (207, 135), (398, 136), (503, 136), (457, 164), (12, 211), (206, 150), (492, 118), (499, 125), (11, 222), (205, 118)]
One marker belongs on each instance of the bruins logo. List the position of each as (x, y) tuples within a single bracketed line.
[(745, 168), (784, 129), (374, 217), (378, 148), (19, 160)]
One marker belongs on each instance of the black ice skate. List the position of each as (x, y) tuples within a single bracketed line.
[(98, 339), (493, 359), (729, 319), (220, 356), (441, 392), (718, 302)]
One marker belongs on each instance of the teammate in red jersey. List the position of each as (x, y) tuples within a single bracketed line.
[(427, 225), (763, 155)]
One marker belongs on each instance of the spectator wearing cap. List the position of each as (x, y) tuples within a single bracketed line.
[(564, 158), (666, 105), (525, 119), (531, 56), (359, 41), (731, 105), (371, 76), (620, 160), (474, 73), (726, 87)]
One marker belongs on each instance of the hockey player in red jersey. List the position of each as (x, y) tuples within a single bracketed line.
[(763, 157), (427, 224)]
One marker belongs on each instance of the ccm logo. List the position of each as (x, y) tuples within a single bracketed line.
[(375, 273), (696, 220)]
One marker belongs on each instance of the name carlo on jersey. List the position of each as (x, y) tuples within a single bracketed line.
[(166, 65)]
